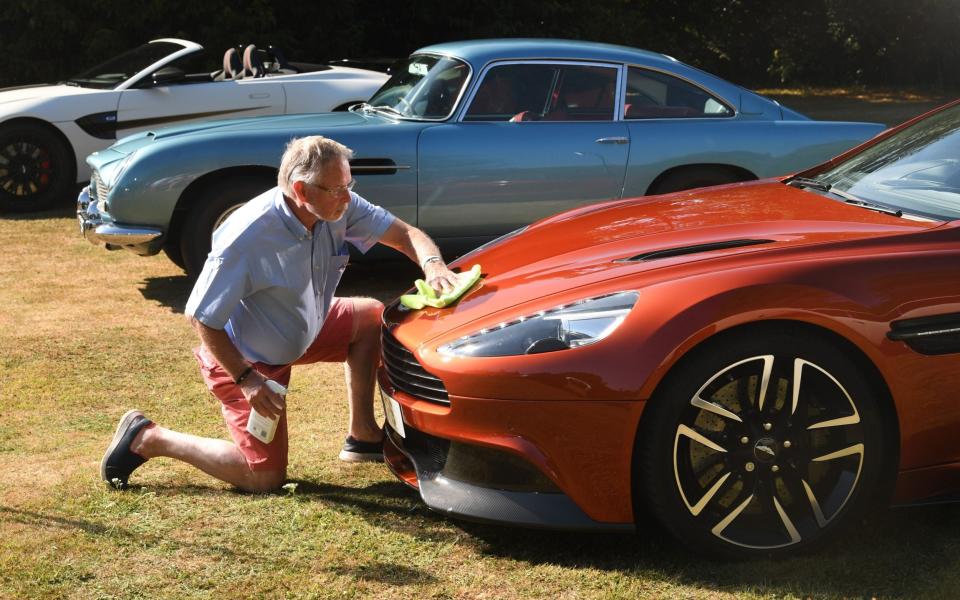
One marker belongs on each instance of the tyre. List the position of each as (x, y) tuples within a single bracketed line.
[(37, 168), (210, 209), (694, 177), (762, 445)]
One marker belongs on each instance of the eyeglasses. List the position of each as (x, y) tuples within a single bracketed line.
[(335, 191)]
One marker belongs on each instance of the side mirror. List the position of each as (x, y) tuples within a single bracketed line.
[(168, 75)]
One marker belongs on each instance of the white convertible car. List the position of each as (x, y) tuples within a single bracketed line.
[(46, 131)]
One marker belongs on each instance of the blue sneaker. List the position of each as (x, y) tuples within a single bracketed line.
[(118, 461)]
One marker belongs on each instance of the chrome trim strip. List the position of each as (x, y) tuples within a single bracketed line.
[(362, 168)]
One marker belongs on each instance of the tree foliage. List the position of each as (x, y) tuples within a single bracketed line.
[(751, 42)]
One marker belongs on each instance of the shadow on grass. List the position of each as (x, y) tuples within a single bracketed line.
[(898, 553), (56, 212), (385, 572), (29, 517), (171, 291)]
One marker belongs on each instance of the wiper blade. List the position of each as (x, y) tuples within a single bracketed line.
[(810, 183), (366, 107), (850, 199), (388, 109)]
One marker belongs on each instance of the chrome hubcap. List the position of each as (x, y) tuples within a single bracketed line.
[(768, 451)]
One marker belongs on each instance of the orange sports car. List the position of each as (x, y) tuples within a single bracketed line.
[(757, 364)]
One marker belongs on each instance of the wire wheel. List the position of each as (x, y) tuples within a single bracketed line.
[(212, 208), (766, 451)]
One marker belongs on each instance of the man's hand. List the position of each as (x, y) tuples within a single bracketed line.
[(419, 248), (439, 277), (261, 398)]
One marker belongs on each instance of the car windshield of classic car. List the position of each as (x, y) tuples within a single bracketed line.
[(115, 71), (916, 170), (424, 87)]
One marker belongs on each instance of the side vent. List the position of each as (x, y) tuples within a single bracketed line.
[(939, 334), (375, 166), (694, 249)]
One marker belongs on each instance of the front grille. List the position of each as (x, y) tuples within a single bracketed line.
[(407, 375), (98, 190)]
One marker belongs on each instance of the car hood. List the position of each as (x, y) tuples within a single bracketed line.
[(287, 125), (283, 127), (42, 91), (590, 246), (55, 103)]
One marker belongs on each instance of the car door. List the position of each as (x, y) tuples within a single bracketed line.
[(195, 97), (535, 138)]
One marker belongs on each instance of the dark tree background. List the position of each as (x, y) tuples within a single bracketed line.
[(751, 42)]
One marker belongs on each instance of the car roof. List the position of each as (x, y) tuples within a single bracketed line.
[(480, 52)]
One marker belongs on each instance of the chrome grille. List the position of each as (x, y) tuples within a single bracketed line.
[(98, 190), (407, 375)]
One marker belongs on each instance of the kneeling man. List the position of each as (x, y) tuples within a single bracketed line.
[(265, 302)]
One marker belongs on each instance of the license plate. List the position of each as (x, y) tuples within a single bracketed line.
[(391, 410)]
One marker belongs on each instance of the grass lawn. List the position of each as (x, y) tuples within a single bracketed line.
[(86, 334)]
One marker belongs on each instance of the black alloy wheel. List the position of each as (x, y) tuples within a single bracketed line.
[(762, 446), (37, 169)]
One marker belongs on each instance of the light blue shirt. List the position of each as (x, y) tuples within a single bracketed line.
[(268, 281)]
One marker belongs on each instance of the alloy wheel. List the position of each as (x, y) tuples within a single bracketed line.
[(26, 168), (768, 451)]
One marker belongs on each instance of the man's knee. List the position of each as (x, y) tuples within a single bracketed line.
[(367, 313), (263, 481)]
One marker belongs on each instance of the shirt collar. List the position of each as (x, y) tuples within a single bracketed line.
[(289, 220)]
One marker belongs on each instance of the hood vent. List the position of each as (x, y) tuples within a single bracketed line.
[(694, 249)]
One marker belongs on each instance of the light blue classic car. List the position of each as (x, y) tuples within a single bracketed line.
[(469, 140)]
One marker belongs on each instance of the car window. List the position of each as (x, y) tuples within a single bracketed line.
[(544, 91), (196, 67), (654, 95), (118, 69), (916, 170), (198, 63), (423, 87)]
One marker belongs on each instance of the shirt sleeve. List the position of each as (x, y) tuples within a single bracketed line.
[(366, 223), (222, 284)]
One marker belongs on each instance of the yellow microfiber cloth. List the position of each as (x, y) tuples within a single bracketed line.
[(427, 296)]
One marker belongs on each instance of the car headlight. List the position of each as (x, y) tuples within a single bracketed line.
[(573, 325)]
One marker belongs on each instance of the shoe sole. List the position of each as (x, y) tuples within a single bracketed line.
[(357, 457), (125, 421)]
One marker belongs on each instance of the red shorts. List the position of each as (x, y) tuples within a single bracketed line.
[(330, 345)]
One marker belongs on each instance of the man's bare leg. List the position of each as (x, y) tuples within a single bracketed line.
[(360, 370), (218, 458)]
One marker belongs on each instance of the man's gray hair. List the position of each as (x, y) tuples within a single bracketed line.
[(304, 157)]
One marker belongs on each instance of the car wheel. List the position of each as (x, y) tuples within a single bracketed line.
[(37, 169), (694, 177), (762, 445), (211, 209)]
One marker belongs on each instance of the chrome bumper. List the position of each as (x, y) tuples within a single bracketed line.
[(142, 240)]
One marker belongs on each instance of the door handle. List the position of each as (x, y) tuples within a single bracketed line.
[(612, 140), (259, 95)]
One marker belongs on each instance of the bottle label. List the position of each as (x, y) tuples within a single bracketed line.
[(260, 426)]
